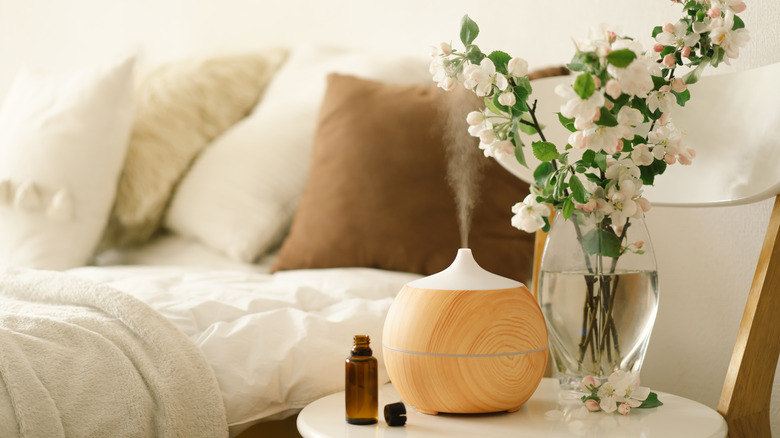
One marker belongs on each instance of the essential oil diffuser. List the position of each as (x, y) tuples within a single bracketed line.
[(465, 341)]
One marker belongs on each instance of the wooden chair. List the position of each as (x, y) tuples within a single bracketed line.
[(743, 108)]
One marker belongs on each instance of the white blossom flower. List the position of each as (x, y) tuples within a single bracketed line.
[(598, 40), (662, 99), (483, 78), (528, 214), (678, 37), (497, 148), (628, 119), (635, 78), (729, 39), (622, 387), (517, 67), (668, 144), (641, 155), (602, 138), (583, 111), (623, 205), (442, 72), (621, 169)]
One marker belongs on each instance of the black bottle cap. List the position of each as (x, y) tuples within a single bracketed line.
[(395, 414)]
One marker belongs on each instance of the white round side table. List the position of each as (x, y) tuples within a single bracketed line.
[(547, 414)]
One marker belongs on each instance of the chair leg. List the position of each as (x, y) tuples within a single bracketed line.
[(747, 389)]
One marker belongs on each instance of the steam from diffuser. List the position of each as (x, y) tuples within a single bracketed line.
[(464, 160)]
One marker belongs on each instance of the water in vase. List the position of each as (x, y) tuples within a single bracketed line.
[(597, 323)]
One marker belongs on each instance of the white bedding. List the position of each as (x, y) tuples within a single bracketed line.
[(275, 341)]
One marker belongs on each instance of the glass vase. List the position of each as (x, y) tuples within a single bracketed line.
[(598, 291)]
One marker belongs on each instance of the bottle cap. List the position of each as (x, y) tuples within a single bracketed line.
[(395, 414)]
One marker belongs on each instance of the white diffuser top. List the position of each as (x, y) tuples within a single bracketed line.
[(464, 274)]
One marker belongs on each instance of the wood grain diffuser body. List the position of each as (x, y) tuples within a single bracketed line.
[(465, 341)]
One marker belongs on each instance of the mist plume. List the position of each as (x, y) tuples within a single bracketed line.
[(464, 158)]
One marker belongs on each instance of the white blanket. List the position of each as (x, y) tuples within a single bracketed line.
[(275, 342), (82, 359)]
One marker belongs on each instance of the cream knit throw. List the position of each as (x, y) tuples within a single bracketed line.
[(81, 359)]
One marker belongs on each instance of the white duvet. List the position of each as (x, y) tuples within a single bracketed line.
[(275, 342)]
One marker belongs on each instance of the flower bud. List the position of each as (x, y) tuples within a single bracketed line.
[(445, 49), (658, 47), (669, 60), (668, 28), (475, 118), (686, 51), (592, 405), (714, 12), (517, 67), (678, 85), (613, 89), (624, 409), (487, 136), (738, 7), (506, 99), (587, 382)]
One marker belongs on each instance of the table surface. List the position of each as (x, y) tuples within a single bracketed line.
[(549, 413)]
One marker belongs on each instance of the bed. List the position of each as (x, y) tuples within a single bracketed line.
[(263, 259)]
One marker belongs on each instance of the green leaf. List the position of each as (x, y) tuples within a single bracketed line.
[(546, 227), (588, 156), (602, 242), (468, 30), (621, 58), (738, 23), (658, 82), (500, 60), (584, 85), (657, 30), (581, 60), (651, 401), (683, 97), (524, 83), (568, 208), (545, 151), (694, 75), (567, 123), (606, 118), (594, 178), (640, 104), (542, 173), (519, 155), (578, 191), (600, 160), (490, 103), (667, 50)]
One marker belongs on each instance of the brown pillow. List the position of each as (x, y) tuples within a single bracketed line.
[(377, 194)]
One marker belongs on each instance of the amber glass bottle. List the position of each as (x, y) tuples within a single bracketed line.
[(361, 383)]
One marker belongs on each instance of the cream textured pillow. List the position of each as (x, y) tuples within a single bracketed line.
[(241, 193), (180, 108), (62, 143)]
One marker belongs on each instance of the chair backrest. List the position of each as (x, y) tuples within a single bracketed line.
[(733, 122)]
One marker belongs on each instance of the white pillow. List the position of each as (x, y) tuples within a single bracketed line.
[(63, 139), (240, 194)]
